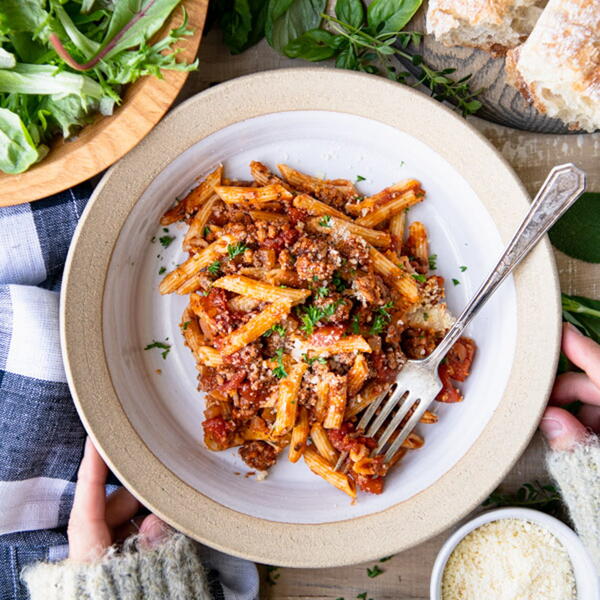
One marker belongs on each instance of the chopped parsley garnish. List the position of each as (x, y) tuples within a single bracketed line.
[(322, 292), (166, 229), (386, 558), (162, 270), (315, 278), (165, 240), (382, 318), (206, 231), (425, 316), (355, 325), (313, 314), (214, 268), (236, 249), (153, 239), (339, 284), (401, 163), (420, 278), (310, 361), (162, 345), (280, 329), (463, 268), (374, 571), (433, 262), (360, 178), (362, 596), (455, 281), (279, 371), (325, 221)]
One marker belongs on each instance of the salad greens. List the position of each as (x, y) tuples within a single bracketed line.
[(370, 39), (63, 60)]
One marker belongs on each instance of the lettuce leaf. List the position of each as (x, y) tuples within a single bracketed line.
[(18, 151)]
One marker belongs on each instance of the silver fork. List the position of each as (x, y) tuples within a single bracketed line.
[(418, 383)]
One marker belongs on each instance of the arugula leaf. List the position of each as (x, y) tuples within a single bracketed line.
[(18, 151), (389, 16), (289, 19), (577, 232), (350, 11), (314, 45)]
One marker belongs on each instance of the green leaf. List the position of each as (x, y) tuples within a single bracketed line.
[(135, 21), (390, 16), (17, 149), (87, 47), (236, 24), (313, 45), (347, 59), (7, 59), (287, 20), (577, 233), (351, 12), (584, 313), (22, 15)]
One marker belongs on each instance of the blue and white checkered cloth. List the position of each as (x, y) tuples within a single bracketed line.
[(41, 437)]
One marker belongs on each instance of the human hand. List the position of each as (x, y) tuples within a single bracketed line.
[(97, 522), (561, 429)]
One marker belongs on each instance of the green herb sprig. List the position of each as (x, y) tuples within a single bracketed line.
[(544, 497), (279, 371), (166, 348), (312, 314)]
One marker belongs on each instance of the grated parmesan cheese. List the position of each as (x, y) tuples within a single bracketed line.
[(509, 559)]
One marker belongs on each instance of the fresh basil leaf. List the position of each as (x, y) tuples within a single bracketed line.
[(389, 16), (314, 45), (236, 24), (17, 149), (347, 58), (258, 9), (351, 12), (577, 232), (287, 20)]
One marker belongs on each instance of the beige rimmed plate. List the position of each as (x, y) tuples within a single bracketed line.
[(144, 412)]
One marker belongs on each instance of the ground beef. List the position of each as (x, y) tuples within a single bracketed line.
[(369, 288), (419, 343), (433, 291), (315, 259), (354, 248), (258, 455)]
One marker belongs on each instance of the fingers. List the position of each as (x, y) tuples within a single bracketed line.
[(154, 531), (574, 386), (121, 507), (561, 429), (87, 531), (582, 351)]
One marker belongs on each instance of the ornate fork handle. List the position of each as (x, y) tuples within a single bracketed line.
[(562, 187)]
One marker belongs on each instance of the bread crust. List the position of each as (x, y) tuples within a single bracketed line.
[(558, 68)]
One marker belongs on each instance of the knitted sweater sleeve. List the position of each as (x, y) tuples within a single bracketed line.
[(171, 571), (577, 473)]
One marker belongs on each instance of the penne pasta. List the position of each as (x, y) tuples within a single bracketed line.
[(359, 402), (332, 225), (242, 304), (287, 399), (175, 279), (318, 208), (299, 436), (382, 212), (418, 242), (312, 185), (263, 175), (428, 418), (271, 217), (199, 222), (254, 328), (389, 193), (259, 290), (208, 356), (321, 441), (338, 389), (318, 465), (350, 343), (252, 195), (192, 335), (404, 283), (397, 229), (357, 375)]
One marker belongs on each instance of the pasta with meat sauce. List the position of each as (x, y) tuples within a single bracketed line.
[(305, 301)]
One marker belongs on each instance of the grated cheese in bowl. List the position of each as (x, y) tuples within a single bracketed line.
[(509, 559)]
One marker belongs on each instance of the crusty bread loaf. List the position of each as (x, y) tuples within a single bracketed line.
[(558, 67), (492, 25)]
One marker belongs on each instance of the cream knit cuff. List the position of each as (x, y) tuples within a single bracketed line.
[(577, 473), (172, 571)]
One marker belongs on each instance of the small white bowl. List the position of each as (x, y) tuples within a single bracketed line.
[(586, 580)]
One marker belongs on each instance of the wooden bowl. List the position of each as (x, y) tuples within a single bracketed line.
[(107, 139)]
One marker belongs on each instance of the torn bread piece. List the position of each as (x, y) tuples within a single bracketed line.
[(558, 68), (492, 25)]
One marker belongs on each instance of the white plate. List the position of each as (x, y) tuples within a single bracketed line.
[(148, 425), (166, 408)]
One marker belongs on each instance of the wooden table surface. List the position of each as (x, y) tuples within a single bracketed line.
[(406, 575)]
